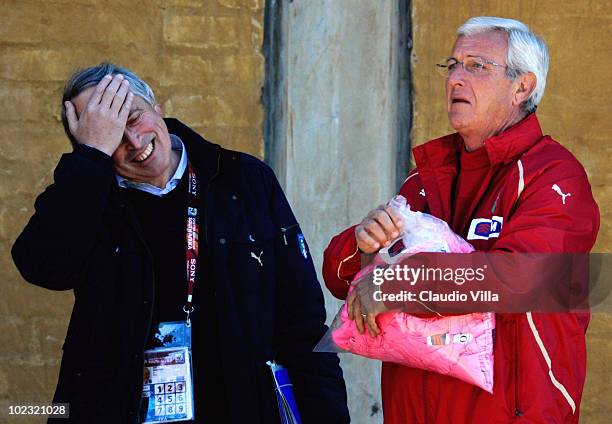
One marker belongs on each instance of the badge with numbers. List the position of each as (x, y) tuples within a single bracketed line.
[(168, 376)]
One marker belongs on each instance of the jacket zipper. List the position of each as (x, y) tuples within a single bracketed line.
[(517, 405), (136, 226), (284, 231)]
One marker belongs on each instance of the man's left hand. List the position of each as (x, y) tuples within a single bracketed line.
[(361, 306)]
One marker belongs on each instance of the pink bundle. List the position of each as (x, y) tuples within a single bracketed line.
[(460, 346)]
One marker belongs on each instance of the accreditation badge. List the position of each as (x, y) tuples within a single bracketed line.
[(167, 392)]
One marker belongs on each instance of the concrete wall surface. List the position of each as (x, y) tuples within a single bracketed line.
[(340, 123), (575, 110), (203, 60)]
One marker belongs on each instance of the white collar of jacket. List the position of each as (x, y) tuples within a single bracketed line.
[(177, 145)]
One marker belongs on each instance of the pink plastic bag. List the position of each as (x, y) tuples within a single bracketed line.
[(460, 346)]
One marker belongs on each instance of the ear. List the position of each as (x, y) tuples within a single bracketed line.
[(159, 110), (524, 86)]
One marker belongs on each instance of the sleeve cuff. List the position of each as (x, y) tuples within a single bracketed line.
[(93, 154)]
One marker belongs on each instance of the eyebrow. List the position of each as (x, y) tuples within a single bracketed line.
[(137, 109), (469, 55)]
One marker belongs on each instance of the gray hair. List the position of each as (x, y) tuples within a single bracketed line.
[(90, 77), (526, 51)]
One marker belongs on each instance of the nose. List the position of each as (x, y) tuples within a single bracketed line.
[(456, 77), (132, 138)]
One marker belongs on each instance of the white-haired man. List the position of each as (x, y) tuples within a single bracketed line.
[(498, 168)]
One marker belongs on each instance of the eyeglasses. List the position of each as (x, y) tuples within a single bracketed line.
[(473, 64)]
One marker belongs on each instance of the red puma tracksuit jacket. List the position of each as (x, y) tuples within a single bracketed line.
[(536, 198)]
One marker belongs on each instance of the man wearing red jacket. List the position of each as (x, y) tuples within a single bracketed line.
[(531, 194)]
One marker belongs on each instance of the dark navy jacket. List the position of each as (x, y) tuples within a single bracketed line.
[(85, 236)]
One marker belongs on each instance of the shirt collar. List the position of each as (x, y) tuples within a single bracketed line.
[(177, 145), (516, 140), (502, 148)]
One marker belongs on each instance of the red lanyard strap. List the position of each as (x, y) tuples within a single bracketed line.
[(191, 253)]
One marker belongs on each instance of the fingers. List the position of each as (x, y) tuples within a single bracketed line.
[(358, 317), (96, 96), (358, 313), (71, 116), (385, 221), (372, 326), (376, 231), (111, 90), (366, 243), (124, 112), (350, 303), (120, 97), (396, 217), (380, 227)]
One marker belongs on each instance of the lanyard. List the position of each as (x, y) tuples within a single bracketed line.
[(191, 253)]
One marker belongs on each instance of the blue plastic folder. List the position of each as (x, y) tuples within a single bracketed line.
[(287, 405)]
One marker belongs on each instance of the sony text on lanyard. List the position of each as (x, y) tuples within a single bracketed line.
[(192, 240)]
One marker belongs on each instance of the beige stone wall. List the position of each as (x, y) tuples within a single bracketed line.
[(576, 111), (202, 58)]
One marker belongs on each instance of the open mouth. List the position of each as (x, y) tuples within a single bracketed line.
[(460, 101), (146, 153)]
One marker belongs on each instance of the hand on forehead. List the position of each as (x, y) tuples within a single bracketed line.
[(81, 100)]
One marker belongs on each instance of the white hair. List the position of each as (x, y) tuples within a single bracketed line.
[(526, 51)]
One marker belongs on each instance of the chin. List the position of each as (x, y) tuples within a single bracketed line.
[(459, 120), (457, 124)]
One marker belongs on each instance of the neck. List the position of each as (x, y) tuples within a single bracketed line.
[(175, 158), (475, 140)]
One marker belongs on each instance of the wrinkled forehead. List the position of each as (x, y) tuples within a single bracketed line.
[(491, 45)]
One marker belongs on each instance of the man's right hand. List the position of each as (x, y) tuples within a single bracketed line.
[(378, 229), (102, 122)]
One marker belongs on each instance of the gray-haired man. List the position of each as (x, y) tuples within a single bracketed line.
[(175, 248)]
